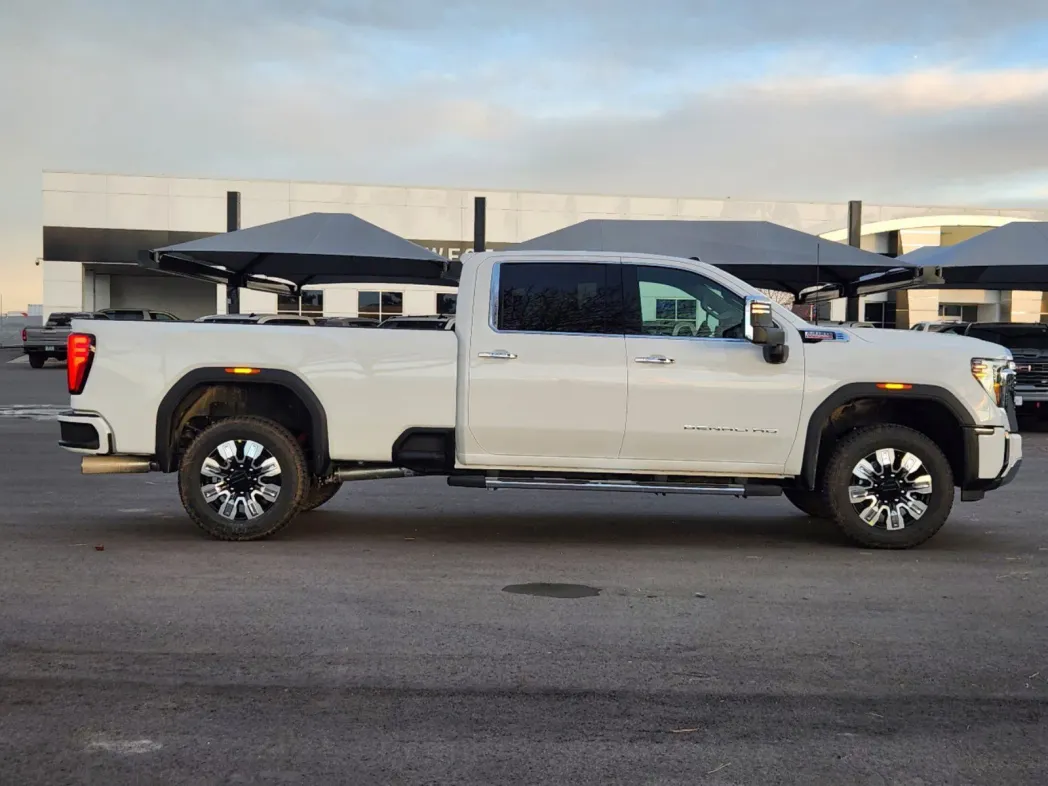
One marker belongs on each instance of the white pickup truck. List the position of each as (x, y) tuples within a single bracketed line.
[(584, 371)]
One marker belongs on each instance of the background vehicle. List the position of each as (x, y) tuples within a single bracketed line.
[(1028, 343), (419, 323), (365, 322), (834, 323), (257, 319), (138, 315), (941, 327), (559, 375), (49, 341)]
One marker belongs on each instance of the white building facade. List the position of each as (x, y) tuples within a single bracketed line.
[(94, 225)]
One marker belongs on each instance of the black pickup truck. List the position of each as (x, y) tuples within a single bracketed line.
[(1029, 345)]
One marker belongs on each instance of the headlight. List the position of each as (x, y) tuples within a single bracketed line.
[(992, 374)]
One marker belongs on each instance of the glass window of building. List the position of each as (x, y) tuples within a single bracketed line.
[(380, 305)]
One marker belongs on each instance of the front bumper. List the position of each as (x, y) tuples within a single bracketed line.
[(85, 433), (1030, 394), (999, 454)]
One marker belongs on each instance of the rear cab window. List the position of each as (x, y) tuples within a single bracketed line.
[(559, 297)]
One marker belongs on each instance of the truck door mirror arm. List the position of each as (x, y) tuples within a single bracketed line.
[(762, 330)]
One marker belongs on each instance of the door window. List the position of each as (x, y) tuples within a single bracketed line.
[(559, 297), (667, 301)]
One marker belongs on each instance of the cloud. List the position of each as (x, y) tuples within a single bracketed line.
[(895, 101)]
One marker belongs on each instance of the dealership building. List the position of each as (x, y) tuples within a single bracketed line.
[(94, 225)]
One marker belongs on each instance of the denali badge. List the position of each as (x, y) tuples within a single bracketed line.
[(815, 336), (732, 429)]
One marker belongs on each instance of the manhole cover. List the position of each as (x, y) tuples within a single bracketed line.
[(543, 590)]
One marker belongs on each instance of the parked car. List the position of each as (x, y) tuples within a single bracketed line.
[(257, 319), (366, 322), (1028, 343), (49, 341), (555, 378), (849, 324), (941, 327), (419, 323), (138, 315)]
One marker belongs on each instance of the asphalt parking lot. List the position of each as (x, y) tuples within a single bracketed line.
[(730, 642)]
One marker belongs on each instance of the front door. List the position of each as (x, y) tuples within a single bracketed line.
[(547, 371), (700, 394)]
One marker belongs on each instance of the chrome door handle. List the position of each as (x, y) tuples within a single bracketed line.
[(662, 359), (498, 354)]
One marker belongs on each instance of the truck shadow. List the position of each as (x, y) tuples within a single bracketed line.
[(582, 528)]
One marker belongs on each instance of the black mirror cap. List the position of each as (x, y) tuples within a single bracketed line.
[(774, 343), (776, 353)]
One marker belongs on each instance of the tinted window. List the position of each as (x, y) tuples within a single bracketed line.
[(125, 316), (666, 301), (380, 304), (559, 298), (446, 304), (160, 316)]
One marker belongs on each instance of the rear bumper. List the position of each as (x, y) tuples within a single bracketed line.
[(85, 433), (49, 349)]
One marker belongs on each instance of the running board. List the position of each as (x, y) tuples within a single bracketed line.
[(546, 484)]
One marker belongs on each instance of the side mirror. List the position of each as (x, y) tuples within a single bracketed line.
[(761, 329)]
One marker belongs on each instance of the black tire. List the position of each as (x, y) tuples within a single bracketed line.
[(37, 359), (319, 495), (811, 502), (861, 443), (294, 478)]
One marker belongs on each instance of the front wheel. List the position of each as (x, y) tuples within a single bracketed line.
[(243, 478), (888, 487)]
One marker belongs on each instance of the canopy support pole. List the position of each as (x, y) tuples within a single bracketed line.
[(851, 309), (232, 225)]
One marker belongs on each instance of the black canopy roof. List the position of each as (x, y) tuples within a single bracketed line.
[(762, 253), (1014, 256), (317, 248)]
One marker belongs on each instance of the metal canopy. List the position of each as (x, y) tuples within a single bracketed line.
[(762, 253), (317, 248), (1014, 256)]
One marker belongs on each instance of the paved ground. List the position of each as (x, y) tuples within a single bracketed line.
[(730, 642)]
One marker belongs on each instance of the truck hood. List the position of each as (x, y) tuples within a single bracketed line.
[(921, 341)]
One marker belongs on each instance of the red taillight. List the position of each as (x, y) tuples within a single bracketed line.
[(23, 335), (80, 351)]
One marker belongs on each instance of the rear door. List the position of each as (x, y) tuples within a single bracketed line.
[(702, 397), (547, 363)]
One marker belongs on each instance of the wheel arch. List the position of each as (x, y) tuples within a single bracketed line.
[(173, 407), (953, 421)]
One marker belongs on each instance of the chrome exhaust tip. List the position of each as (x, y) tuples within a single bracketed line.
[(115, 465)]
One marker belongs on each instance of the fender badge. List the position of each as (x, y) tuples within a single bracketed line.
[(815, 336)]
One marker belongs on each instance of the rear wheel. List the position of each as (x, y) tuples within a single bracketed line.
[(37, 359), (888, 487), (243, 479), (811, 502), (319, 495)]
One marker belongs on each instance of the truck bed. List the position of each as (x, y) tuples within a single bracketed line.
[(373, 384)]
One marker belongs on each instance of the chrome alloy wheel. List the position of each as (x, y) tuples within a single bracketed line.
[(240, 479), (890, 489)]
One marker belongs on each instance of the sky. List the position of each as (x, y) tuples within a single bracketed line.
[(900, 101)]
